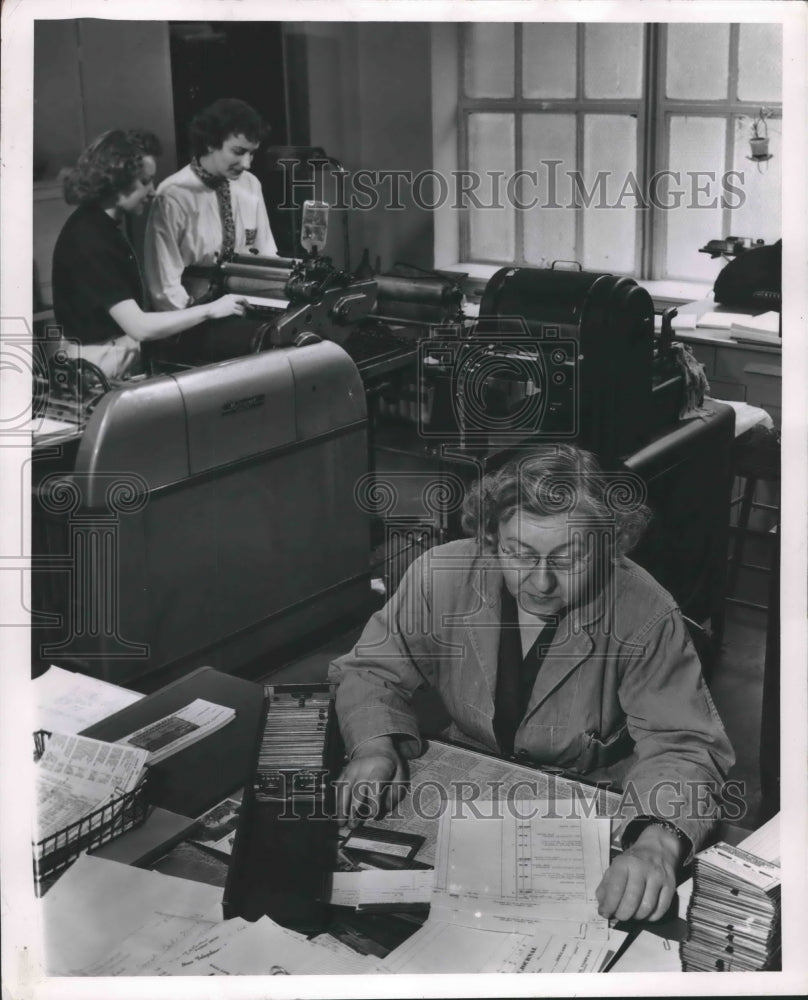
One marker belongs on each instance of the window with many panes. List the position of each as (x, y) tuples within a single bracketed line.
[(624, 147)]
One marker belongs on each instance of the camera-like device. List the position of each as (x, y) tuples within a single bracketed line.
[(497, 383)]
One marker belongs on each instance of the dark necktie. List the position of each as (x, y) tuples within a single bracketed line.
[(516, 674)]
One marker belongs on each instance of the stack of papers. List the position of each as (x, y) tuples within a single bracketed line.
[(514, 891), (179, 730), (762, 329), (768, 322), (720, 320), (107, 919), (67, 702), (375, 890), (77, 775), (734, 914)]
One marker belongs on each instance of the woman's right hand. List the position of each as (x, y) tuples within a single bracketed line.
[(227, 305), (371, 783)]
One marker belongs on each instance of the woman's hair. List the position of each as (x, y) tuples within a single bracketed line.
[(109, 166), (227, 116), (557, 479)]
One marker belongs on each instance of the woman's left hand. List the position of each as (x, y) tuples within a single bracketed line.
[(640, 882)]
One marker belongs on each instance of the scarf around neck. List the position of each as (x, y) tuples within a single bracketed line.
[(221, 185)]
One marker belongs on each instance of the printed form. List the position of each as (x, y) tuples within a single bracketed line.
[(520, 867), (520, 859)]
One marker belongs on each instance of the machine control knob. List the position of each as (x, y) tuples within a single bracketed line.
[(307, 338)]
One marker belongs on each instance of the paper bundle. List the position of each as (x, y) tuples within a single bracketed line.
[(734, 914), (77, 775)]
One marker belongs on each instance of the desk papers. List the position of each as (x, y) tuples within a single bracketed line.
[(382, 890), (515, 868), (514, 892), (765, 841), (440, 947), (67, 702), (445, 771), (175, 732), (343, 889), (264, 948), (106, 919), (97, 905), (757, 337), (265, 302), (766, 323), (720, 320), (76, 775)]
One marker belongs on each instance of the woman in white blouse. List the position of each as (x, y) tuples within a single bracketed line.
[(212, 207)]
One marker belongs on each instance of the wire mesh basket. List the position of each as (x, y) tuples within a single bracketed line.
[(56, 852)]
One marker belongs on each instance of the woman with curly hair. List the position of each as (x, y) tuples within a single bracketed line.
[(97, 290), (546, 644)]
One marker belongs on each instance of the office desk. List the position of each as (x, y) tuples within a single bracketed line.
[(750, 373), (203, 774), (444, 768), (227, 760), (377, 934)]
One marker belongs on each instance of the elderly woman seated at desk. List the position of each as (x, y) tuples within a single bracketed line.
[(548, 645)]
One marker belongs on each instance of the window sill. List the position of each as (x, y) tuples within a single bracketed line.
[(671, 293), (664, 293)]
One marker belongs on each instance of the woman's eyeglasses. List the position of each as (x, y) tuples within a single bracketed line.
[(562, 563)]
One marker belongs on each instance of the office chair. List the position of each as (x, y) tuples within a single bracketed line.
[(755, 458)]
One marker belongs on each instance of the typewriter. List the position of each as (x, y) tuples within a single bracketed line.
[(285, 843)]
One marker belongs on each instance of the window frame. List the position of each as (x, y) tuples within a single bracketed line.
[(652, 111), (730, 109)]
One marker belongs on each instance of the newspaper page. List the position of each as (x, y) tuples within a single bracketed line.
[(77, 774)]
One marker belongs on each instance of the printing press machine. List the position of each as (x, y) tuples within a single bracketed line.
[(206, 513), (570, 356)]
